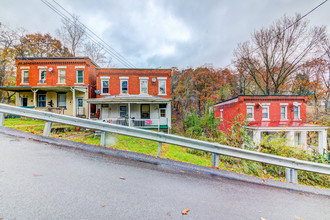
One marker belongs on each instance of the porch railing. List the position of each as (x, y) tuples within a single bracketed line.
[(140, 123)]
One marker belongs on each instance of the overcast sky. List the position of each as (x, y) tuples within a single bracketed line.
[(165, 33)]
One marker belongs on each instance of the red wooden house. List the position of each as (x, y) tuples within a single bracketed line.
[(272, 114)]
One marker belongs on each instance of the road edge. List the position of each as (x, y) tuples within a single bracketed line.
[(167, 162)]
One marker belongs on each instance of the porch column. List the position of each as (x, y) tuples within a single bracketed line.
[(322, 141), (256, 137), (303, 140), (17, 99), (74, 102), (35, 97), (89, 110), (169, 114), (290, 137), (129, 114)]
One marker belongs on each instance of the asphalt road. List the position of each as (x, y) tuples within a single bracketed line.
[(42, 181)]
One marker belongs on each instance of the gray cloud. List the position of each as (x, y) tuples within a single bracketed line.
[(166, 33)]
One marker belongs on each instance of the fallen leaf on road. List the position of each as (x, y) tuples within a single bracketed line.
[(168, 213), (298, 217), (263, 181), (1, 171), (102, 206), (37, 175), (108, 163), (185, 211), (122, 178)]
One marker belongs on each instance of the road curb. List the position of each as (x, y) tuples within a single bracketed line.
[(167, 163)]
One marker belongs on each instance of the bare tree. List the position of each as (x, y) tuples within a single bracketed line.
[(277, 52), (97, 54), (72, 34)]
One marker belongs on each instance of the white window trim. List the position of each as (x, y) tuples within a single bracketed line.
[(265, 107), (105, 78), (299, 118), (61, 67), (121, 82), (221, 113), (77, 76), (42, 68), (25, 67), (286, 111), (58, 73), (79, 67), (25, 70), (123, 77), (250, 106), (141, 80), (160, 79)]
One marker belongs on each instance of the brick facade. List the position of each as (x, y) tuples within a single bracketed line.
[(134, 77)]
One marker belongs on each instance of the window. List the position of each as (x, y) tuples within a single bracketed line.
[(162, 86), (296, 112), (145, 111), (105, 85), (144, 86), (61, 100), (25, 76), (124, 86), (61, 76), (265, 112), (42, 76), (162, 110), (221, 113), (283, 112), (42, 101), (123, 111), (249, 112), (80, 76)]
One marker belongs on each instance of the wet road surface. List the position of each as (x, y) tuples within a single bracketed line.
[(42, 181)]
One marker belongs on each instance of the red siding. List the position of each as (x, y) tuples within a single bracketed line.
[(239, 107)]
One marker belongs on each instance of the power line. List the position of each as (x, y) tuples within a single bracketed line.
[(305, 15), (91, 35)]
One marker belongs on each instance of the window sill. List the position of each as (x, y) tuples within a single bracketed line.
[(162, 94), (79, 83), (60, 83), (41, 83), (265, 119), (284, 119), (105, 94), (24, 84)]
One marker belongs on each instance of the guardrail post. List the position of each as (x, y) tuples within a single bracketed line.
[(103, 139), (159, 149), (2, 119), (291, 175), (215, 160), (48, 128)]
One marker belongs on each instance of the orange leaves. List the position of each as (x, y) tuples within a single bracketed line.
[(185, 211), (122, 178)]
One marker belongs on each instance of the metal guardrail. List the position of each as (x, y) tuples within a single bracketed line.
[(217, 149)]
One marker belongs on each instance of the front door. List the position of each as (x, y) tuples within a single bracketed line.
[(145, 111), (80, 106), (162, 114)]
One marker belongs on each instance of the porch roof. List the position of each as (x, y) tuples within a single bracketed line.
[(128, 99), (284, 125), (43, 88)]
